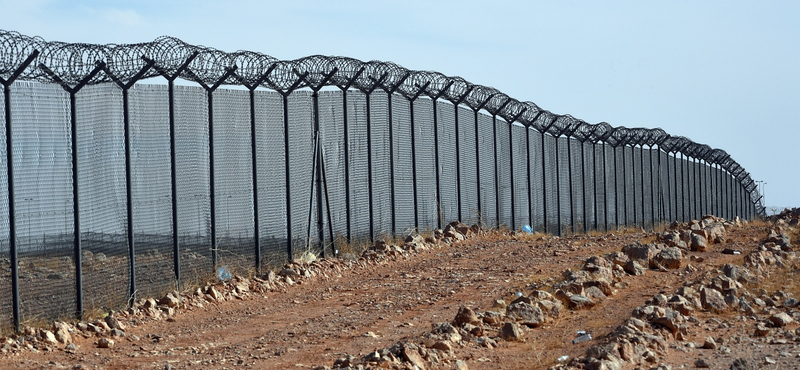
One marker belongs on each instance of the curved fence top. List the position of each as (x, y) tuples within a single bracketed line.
[(72, 64)]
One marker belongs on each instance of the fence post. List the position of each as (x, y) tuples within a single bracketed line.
[(605, 190), (172, 155), (346, 138), (511, 166), (496, 172), (583, 185), (456, 103), (558, 188), (287, 179), (475, 110), (128, 172), (571, 187), (12, 213), (75, 171), (411, 100), (440, 207), (389, 93)]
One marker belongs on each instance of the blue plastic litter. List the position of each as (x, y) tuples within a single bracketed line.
[(223, 273), (527, 229)]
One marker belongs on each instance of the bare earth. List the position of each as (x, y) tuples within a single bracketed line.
[(356, 308)]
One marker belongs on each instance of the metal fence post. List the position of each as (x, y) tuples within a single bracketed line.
[(172, 155), (75, 171), (128, 172), (456, 103), (12, 214)]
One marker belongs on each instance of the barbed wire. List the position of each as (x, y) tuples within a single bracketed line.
[(73, 62)]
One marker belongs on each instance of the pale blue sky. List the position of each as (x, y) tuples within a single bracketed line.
[(723, 73)]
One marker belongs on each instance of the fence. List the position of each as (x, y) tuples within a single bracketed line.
[(115, 188)]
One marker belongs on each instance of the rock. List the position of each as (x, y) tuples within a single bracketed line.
[(466, 315), (61, 331), (105, 343), (743, 364), (114, 323), (492, 317), (713, 300), (579, 301), (525, 314), (443, 346), (117, 333), (761, 330), (699, 243), (781, 319), (702, 363), (670, 257), (48, 337), (594, 293), (710, 343), (640, 252), (170, 300), (670, 319), (411, 354), (715, 233), (511, 331), (447, 331), (460, 365), (634, 268)]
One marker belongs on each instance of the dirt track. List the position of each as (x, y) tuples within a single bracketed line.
[(373, 306)]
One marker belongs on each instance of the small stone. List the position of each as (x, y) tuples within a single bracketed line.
[(701, 363), (105, 343), (710, 343), (578, 301), (781, 319), (48, 337), (460, 365), (466, 315), (511, 331)]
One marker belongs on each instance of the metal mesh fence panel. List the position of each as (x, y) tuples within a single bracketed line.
[(447, 160), (620, 185), (359, 176), (520, 158), (589, 179), (537, 181), (665, 194), (680, 187), (503, 173), (43, 200), (647, 187), (577, 223), (301, 162), (638, 185), (271, 177), (152, 192), (426, 175), (609, 195), (381, 166), (331, 125), (564, 195), (551, 183), (101, 175), (233, 180), (691, 187), (486, 157), (468, 165), (403, 166), (192, 175), (6, 310)]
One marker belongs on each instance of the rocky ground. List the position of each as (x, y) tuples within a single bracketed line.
[(705, 294)]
